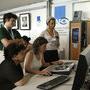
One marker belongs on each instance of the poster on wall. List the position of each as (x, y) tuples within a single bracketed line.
[(38, 19), (38, 22), (62, 26), (60, 15), (59, 12), (62, 21)]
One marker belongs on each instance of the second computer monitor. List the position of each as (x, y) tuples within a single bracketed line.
[(82, 69)]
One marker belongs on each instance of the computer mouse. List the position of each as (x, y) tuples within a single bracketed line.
[(50, 74)]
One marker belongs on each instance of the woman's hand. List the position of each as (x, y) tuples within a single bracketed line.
[(45, 72), (60, 62), (57, 62)]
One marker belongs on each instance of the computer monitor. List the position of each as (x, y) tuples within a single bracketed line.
[(82, 69)]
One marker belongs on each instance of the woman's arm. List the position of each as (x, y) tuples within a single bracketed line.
[(57, 62), (6, 42), (28, 61), (23, 81)]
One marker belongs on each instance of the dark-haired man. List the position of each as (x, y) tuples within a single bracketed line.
[(11, 74), (7, 34)]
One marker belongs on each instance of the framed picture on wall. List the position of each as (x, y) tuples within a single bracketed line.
[(77, 15), (25, 21), (16, 25)]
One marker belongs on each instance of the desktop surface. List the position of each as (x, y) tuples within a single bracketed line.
[(54, 82), (40, 79)]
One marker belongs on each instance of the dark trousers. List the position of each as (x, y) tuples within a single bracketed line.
[(51, 55)]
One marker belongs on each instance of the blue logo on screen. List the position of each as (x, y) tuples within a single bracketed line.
[(63, 20)]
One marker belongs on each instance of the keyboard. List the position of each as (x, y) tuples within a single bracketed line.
[(54, 82)]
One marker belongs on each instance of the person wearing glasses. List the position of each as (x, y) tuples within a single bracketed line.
[(7, 34)]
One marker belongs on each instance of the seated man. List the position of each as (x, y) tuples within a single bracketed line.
[(11, 74)]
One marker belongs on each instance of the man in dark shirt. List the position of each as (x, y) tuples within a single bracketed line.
[(7, 34), (11, 74)]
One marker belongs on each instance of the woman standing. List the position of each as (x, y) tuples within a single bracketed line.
[(52, 36)]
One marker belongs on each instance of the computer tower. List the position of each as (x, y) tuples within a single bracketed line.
[(78, 38)]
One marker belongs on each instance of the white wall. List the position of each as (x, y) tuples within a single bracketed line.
[(38, 9), (37, 27), (85, 8)]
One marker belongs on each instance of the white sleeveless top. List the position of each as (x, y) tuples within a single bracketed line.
[(36, 64)]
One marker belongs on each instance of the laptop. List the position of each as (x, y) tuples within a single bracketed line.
[(65, 68), (54, 82)]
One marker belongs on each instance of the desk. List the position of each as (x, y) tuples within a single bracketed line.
[(39, 79)]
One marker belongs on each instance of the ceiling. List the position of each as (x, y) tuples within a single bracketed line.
[(10, 4)]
